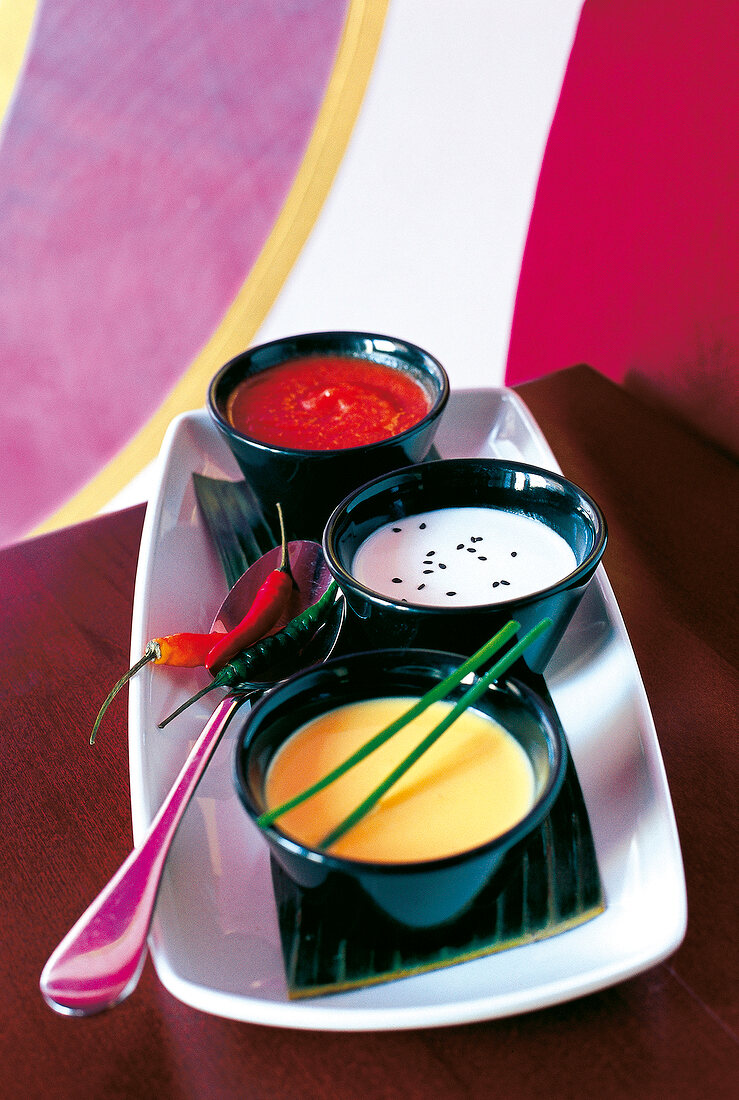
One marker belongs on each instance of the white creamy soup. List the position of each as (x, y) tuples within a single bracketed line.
[(462, 557)]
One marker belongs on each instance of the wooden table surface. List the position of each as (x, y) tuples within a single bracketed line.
[(670, 499)]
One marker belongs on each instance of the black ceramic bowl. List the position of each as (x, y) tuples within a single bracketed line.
[(532, 492), (309, 484), (423, 894)]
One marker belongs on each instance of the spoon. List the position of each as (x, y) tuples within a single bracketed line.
[(99, 962)]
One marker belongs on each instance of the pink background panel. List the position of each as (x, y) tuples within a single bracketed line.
[(632, 257), (145, 158)]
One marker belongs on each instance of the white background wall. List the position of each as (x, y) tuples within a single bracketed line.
[(423, 232)]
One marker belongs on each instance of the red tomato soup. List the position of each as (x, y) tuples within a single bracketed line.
[(322, 403)]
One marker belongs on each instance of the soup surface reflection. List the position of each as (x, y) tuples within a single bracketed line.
[(452, 557), (472, 785)]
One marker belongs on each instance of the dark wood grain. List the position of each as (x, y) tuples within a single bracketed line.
[(670, 499)]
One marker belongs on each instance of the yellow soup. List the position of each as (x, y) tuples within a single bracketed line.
[(473, 784)]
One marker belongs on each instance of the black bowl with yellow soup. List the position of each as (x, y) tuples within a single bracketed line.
[(452, 825)]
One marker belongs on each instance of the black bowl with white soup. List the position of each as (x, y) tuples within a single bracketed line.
[(443, 553)]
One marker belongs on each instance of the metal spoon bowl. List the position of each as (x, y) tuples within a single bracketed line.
[(99, 962), (312, 578)]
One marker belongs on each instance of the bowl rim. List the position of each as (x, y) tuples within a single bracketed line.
[(345, 579), (437, 407), (558, 751)]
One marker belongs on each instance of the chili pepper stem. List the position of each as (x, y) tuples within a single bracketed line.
[(193, 699), (284, 565), (150, 654)]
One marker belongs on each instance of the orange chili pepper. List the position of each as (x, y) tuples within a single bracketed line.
[(179, 650), (213, 650), (185, 650), (269, 604)]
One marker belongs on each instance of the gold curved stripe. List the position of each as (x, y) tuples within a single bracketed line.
[(16, 23), (334, 124)]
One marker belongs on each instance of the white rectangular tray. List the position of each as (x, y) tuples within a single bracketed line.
[(215, 940)]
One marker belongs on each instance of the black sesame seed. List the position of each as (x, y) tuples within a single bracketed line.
[(505, 582), (420, 587), (396, 529), (428, 562), (471, 550), (427, 571), (495, 584), (481, 557), (441, 565), (422, 527), (514, 553), (430, 553), (451, 593), (460, 546), (397, 580)]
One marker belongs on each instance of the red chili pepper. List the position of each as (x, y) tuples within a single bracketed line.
[(268, 606)]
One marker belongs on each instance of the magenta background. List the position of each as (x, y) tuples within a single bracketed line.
[(632, 258), (146, 156)]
